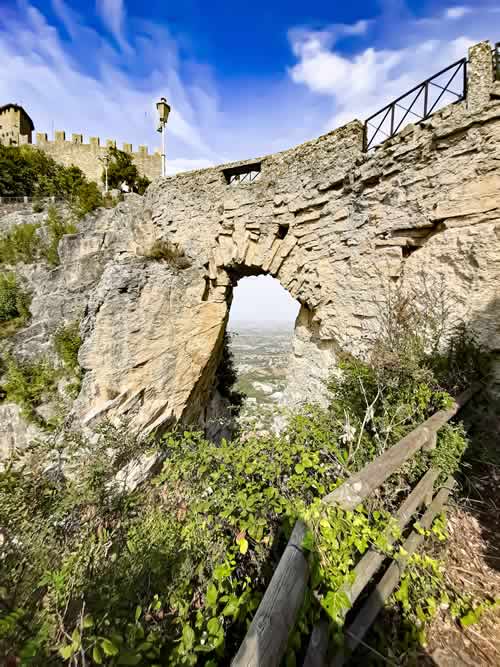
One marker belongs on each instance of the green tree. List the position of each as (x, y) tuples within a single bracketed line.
[(122, 169)]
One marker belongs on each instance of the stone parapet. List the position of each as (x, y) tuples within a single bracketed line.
[(86, 156)]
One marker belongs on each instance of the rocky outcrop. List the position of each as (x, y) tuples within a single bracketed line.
[(333, 224)]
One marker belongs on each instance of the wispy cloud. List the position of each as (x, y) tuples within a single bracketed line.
[(455, 13), (361, 81), (46, 75), (112, 13)]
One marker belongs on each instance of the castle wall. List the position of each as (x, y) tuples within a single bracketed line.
[(86, 156)]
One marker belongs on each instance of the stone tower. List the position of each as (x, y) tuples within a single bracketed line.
[(15, 125)]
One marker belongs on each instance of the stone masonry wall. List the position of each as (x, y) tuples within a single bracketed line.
[(86, 156), (334, 225)]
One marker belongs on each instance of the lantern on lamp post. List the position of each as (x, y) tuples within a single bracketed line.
[(163, 111)]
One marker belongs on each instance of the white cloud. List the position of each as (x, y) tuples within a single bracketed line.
[(363, 80), (454, 13), (112, 13)]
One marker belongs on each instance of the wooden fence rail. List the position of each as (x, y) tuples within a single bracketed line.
[(267, 637)]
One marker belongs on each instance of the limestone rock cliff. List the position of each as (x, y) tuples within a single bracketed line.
[(333, 224)]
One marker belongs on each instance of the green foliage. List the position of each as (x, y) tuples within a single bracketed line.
[(57, 227), (422, 591), (14, 304), (226, 376), (122, 169), (67, 342), (27, 383), (20, 244), (87, 199), (173, 572), (28, 171), (23, 243)]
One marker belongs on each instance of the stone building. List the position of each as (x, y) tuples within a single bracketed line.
[(15, 125), (16, 128)]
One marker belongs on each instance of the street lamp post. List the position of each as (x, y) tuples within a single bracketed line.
[(105, 159), (163, 112)]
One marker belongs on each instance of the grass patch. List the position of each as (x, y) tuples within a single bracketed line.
[(29, 384), (20, 244)]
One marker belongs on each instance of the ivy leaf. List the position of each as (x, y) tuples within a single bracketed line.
[(88, 622), (299, 468), (97, 655), (242, 542), (211, 596), (108, 647), (76, 639), (231, 608), (66, 651), (188, 637), (470, 618)]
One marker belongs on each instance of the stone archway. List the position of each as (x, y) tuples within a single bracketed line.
[(333, 224)]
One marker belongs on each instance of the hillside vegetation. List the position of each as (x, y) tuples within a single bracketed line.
[(172, 572), (28, 171)]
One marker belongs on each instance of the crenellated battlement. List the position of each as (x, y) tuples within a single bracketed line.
[(86, 156)]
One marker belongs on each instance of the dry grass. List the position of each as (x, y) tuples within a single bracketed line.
[(169, 252)]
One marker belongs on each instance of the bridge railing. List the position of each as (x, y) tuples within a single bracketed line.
[(448, 85), (267, 637)]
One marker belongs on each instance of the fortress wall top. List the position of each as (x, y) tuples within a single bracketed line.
[(86, 156)]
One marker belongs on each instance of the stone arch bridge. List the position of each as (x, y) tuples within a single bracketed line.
[(332, 223)]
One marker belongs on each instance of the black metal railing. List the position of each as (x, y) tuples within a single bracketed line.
[(448, 85), (496, 60)]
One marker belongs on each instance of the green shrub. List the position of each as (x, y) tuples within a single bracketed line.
[(27, 170), (122, 169), (38, 206), (20, 244), (172, 573), (87, 199), (67, 342), (28, 383), (57, 227), (14, 301)]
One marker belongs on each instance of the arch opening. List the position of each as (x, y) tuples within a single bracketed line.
[(261, 328)]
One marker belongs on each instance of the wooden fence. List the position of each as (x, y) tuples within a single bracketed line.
[(267, 638)]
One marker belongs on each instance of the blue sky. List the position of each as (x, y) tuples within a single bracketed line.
[(243, 78)]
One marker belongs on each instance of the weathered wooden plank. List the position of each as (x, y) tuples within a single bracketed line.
[(362, 484), (370, 563), (368, 613), (265, 645), (267, 637), (372, 560), (318, 646)]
